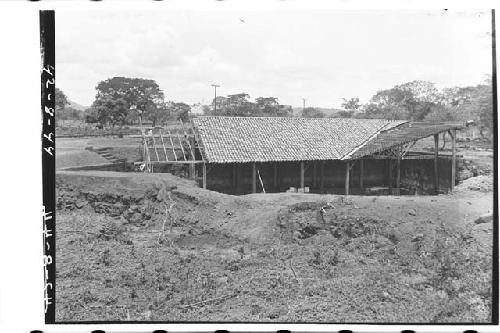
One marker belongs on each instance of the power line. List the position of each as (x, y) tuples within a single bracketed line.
[(215, 98)]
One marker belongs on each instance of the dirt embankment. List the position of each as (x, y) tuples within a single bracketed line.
[(156, 247)]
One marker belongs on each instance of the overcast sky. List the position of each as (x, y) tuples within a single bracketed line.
[(322, 56)]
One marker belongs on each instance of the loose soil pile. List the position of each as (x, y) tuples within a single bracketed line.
[(155, 247)]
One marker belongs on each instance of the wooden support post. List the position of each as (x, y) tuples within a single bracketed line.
[(275, 176), (192, 171), (453, 134), (314, 174), (204, 175), (254, 178), (347, 177), (398, 176), (302, 174), (235, 177), (436, 156), (322, 176), (164, 148), (361, 171), (172, 144), (389, 175)]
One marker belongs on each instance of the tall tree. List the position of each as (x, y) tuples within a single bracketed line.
[(270, 107), (180, 111), (239, 105), (142, 95), (412, 100), (110, 111)]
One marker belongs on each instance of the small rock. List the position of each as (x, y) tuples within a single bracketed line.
[(80, 203), (417, 238), (412, 212), (485, 218)]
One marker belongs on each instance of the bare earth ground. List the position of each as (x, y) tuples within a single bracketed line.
[(266, 257)]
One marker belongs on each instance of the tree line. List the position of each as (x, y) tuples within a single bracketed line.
[(422, 101), (120, 101), (239, 105)]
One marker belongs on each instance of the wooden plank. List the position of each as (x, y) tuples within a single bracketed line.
[(361, 171), (172, 144), (261, 182), (254, 178), (188, 140), (134, 136), (170, 162), (204, 175), (182, 147), (163, 144), (156, 150), (453, 134), (347, 177), (436, 159), (302, 174)]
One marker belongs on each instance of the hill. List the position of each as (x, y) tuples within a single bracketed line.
[(77, 106)]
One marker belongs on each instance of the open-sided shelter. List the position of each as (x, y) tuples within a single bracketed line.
[(242, 155)]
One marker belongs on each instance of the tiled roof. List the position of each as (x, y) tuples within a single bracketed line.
[(401, 135), (263, 139)]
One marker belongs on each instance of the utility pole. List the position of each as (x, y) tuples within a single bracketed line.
[(215, 98), (303, 104)]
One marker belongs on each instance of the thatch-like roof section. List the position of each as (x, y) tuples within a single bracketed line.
[(401, 135), (266, 139)]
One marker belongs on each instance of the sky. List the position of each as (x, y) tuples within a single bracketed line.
[(322, 56)]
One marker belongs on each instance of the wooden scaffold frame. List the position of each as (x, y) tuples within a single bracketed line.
[(182, 139)]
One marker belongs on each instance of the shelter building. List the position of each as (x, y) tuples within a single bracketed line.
[(240, 155)]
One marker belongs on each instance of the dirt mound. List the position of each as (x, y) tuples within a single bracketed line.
[(479, 184)]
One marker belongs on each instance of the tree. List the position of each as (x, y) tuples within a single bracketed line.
[(61, 100), (180, 111), (270, 107), (239, 105), (312, 113), (157, 113), (466, 103), (90, 116), (141, 94), (351, 104), (110, 111), (412, 100)]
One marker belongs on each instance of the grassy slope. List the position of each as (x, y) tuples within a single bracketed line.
[(266, 257)]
